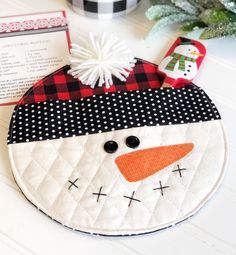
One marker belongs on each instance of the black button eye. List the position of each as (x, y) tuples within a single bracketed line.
[(110, 146), (132, 141)]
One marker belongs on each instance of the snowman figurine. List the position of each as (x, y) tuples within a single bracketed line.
[(182, 61), (130, 159)]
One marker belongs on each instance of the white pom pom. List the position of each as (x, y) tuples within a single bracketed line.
[(100, 57)]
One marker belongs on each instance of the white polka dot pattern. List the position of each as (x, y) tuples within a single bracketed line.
[(110, 111)]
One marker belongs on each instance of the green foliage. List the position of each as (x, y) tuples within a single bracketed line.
[(192, 25), (213, 16), (158, 11), (216, 17), (171, 19), (207, 4), (219, 30), (186, 6), (154, 2)]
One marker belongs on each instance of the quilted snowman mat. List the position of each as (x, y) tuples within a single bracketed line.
[(127, 159)]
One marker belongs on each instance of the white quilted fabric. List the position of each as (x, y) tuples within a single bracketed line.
[(43, 171)]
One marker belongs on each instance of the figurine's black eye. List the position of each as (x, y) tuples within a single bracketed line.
[(110, 146), (189, 49), (132, 141)]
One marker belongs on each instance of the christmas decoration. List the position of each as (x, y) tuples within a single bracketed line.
[(217, 18), (181, 63), (98, 58), (124, 159)]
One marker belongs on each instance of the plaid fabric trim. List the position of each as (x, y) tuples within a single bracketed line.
[(61, 86)]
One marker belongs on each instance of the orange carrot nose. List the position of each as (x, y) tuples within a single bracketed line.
[(138, 165)]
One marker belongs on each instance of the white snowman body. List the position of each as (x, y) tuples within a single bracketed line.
[(48, 183), (190, 67)]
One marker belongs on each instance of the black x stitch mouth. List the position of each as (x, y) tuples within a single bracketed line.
[(132, 198)]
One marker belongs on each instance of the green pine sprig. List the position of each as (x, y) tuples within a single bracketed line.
[(217, 18)]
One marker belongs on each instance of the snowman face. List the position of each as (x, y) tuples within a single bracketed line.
[(83, 176), (188, 50)]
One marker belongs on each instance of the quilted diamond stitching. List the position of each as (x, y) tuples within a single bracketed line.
[(163, 130), (166, 183)]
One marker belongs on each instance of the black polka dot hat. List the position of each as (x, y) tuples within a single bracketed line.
[(126, 160)]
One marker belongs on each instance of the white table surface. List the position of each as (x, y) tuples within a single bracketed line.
[(24, 230)]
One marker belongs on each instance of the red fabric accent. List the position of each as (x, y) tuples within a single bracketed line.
[(59, 79), (86, 92), (40, 98), (149, 68), (111, 89), (62, 86), (171, 81), (132, 86), (153, 84), (63, 95)]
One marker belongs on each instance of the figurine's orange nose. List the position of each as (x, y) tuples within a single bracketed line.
[(138, 165)]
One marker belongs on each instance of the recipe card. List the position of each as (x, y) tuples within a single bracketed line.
[(31, 47)]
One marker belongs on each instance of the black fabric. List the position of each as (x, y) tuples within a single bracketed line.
[(110, 111), (51, 89)]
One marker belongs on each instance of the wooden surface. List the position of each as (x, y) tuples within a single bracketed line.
[(24, 230)]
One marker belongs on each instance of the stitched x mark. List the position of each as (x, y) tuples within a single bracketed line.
[(161, 188), (132, 199), (179, 170), (72, 183), (99, 194)]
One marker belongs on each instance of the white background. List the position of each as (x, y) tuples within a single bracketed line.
[(24, 230)]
